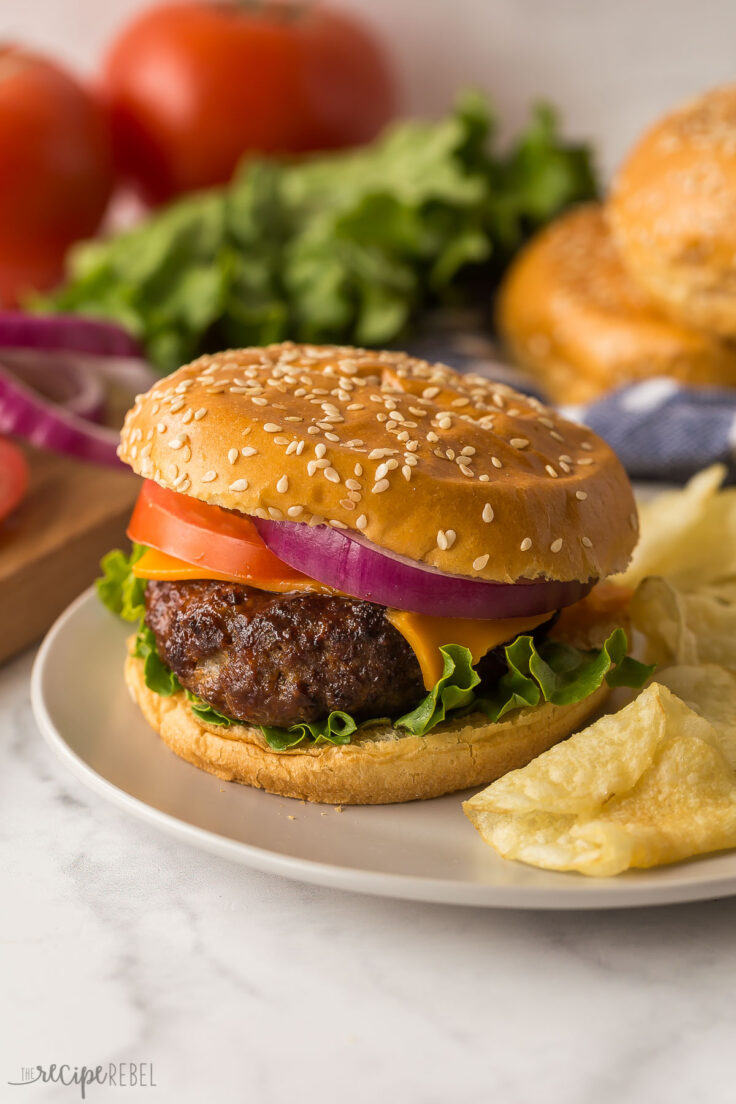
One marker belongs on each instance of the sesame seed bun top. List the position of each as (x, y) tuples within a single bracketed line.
[(570, 312), (451, 470), (673, 211)]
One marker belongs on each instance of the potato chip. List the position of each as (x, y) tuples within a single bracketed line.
[(694, 627), (711, 692), (644, 786), (688, 536)]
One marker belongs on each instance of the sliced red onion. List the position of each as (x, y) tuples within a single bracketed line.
[(352, 564), (62, 378), (66, 333), (59, 375)]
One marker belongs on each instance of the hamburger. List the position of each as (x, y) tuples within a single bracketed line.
[(363, 578)]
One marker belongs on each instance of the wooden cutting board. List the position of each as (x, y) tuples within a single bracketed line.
[(51, 547)]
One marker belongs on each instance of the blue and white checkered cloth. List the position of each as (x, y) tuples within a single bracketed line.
[(661, 430)]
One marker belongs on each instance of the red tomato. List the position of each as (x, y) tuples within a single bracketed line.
[(192, 86), (207, 536), (13, 477), (55, 170)]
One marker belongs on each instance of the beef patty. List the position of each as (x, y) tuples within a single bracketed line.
[(278, 659)]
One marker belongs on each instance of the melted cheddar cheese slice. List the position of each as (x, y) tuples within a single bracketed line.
[(426, 634), (159, 565)]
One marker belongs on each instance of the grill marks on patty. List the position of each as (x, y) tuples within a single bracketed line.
[(278, 659)]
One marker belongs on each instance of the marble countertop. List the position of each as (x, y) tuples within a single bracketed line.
[(122, 945)]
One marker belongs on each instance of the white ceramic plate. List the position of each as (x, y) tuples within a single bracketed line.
[(424, 850)]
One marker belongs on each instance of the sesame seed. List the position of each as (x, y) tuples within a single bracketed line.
[(496, 462), (484, 478), (331, 474), (239, 485), (581, 495), (586, 446), (275, 513), (176, 442), (232, 455), (358, 470), (585, 460), (312, 467), (557, 436), (361, 522), (248, 451), (380, 486), (283, 484), (442, 540), (352, 484), (525, 544), (319, 450), (450, 536), (292, 447), (587, 542), (332, 437), (281, 440), (518, 442), (337, 524), (406, 472), (259, 401), (410, 459), (432, 437), (556, 545), (480, 562), (444, 423), (551, 471), (295, 511), (487, 514), (465, 470), (209, 477), (430, 392), (271, 427)]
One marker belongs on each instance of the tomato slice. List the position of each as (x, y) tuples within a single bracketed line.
[(13, 476), (209, 537)]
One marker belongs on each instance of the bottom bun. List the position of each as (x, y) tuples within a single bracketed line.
[(380, 766)]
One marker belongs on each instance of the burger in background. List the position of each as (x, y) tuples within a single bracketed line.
[(644, 285), (363, 578), (572, 315)]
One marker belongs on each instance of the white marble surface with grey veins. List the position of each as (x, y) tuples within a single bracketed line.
[(123, 945)]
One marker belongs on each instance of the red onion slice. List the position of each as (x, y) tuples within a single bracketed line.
[(66, 333), (359, 568), (59, 375), (62, 378)]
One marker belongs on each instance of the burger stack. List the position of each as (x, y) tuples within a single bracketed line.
[(645, 284)]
